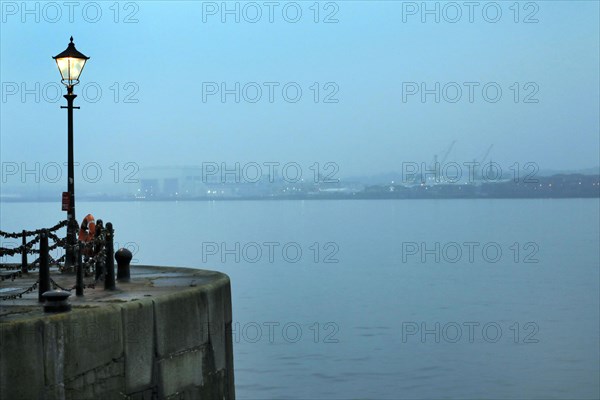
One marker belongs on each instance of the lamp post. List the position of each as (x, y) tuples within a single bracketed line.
[(70, 64)]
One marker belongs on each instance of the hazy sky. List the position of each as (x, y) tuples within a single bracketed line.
[(375, 60)]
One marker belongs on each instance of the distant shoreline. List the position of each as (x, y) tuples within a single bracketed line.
[(294, 198), (573, 186)]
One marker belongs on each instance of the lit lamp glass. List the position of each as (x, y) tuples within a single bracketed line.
[(70, 64)]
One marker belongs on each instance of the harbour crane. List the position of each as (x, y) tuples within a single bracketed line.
[(486, 154), (435, 166), (448, 151), (477, 175), (446, 154)]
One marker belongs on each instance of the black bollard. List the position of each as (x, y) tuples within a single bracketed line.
[(57, 301), (24, 255), (123, 257), (44, 284), (109, 279), (79, 271)]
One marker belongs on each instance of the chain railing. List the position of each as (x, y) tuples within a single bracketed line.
[(98, 262), (37, 232), (20, 294), (10, 275), (27, 246)]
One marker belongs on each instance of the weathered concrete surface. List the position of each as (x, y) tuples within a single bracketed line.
[(166, 334)]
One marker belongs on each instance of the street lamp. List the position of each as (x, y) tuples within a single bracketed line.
[(70, 64)]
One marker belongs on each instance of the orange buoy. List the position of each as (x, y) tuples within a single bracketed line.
[(87, 230)]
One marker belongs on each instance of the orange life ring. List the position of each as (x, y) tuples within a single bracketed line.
[(87, 230)]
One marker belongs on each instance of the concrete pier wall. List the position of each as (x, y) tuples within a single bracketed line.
[(167, 334)]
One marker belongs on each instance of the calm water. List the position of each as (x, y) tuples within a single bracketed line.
[(507, 328)]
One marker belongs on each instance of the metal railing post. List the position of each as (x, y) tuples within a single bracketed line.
[(24, 255), (109, 279), (79, 271), (44, 284)]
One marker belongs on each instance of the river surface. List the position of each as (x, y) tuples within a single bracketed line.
[(385, 299)]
